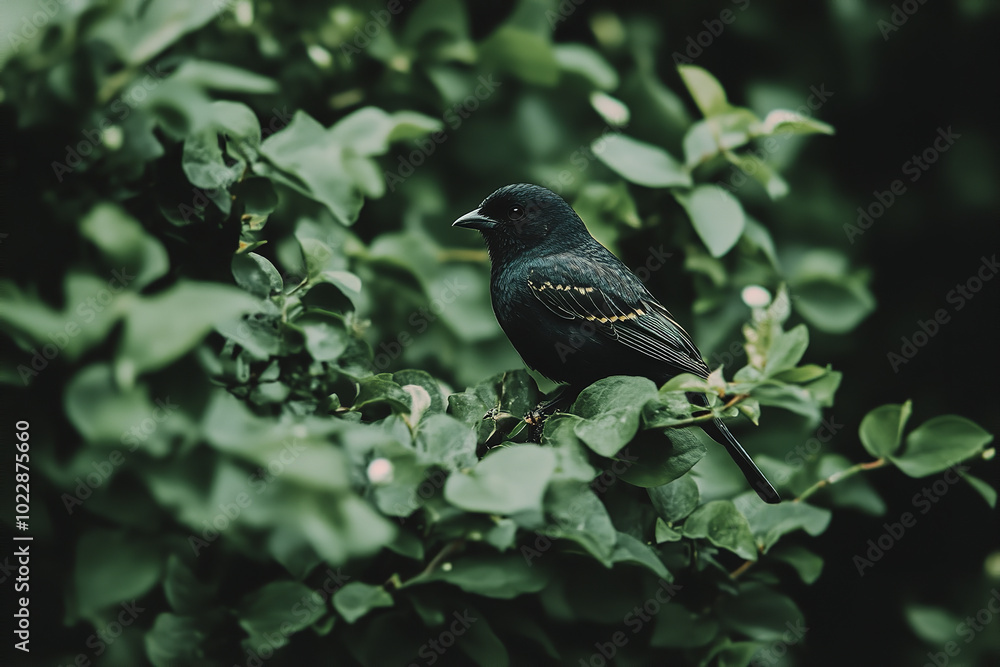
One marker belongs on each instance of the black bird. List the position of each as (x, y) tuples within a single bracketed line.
[(574, 312)]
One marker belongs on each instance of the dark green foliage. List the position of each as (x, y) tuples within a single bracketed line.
[(272, 418)]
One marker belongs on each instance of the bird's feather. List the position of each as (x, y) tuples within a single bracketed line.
[(637, 321)]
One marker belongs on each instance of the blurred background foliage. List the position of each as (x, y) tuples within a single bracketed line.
[(255, 357)]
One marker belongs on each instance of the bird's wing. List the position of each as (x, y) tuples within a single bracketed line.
[(637, 320)]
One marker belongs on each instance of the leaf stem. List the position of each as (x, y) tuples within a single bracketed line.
[(838, 476), (435, 563), (841, 475), (733, 400)]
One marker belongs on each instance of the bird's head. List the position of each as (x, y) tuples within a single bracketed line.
[(523, 216)]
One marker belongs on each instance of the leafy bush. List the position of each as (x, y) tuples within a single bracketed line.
[(259, 325)]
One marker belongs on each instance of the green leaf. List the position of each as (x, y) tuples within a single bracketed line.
[(444, 440), (326, 335), (161, 328), (423, 379), (111, 567), (717, 216), (769, 522), (630, 550), (984, 489), (653, 462), (482, 645), (140, 31), (124, 242), (579, 515), (835, 304), (370, 130), (932, 624), (722, 524), (687, 382), (259, 196), (675, 500), (759, 612), (801, 374), (807, 564), (782, 121), (175, 640), (881, 430), (588, 63), (381, 389), (100, 410), (672, 407), (677, 627), (760, 237), (305, 159), (356, 599), (527, 55), (205, 167), (700, 144), (185, 593), (639, 162), (610, 409), (496, 576), (705, 89), (509, 481), (772, 182), (278, 610), (940, 443), (256, 274), (786, 350), (665, 533), (220, 76)]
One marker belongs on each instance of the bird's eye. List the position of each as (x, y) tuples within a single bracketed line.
[(515, 213)]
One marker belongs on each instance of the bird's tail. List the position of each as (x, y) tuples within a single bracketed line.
[(718, 431)]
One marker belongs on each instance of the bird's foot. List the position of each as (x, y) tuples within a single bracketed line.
[(535, 418)]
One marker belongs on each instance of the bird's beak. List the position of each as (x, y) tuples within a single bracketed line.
[(474, 220)]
